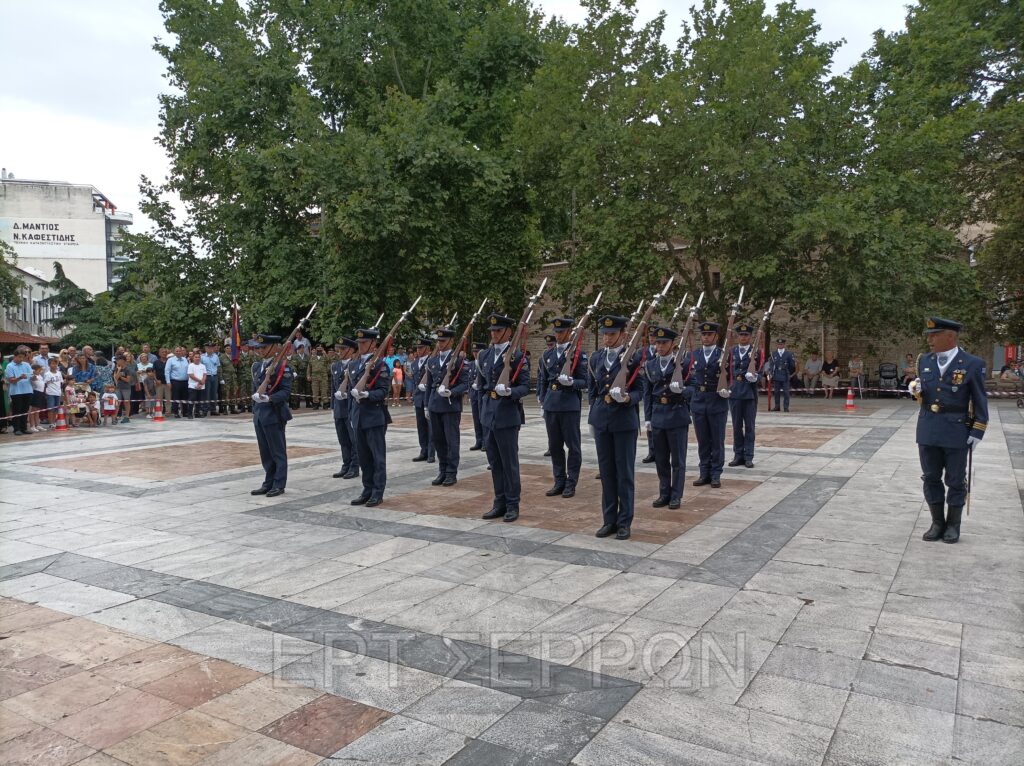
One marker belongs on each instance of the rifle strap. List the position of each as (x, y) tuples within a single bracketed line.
[(280, 374), (376, 374), (575, 358)]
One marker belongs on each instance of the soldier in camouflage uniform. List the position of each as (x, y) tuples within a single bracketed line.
[(320, 378), (299, 362), (229, 394), (245, 362)]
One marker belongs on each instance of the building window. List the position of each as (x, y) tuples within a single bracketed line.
[(716, 280)]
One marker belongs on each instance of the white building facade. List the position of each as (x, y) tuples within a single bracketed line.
[(73, 224)]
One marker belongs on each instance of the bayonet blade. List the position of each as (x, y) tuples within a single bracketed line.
[(739, 301), (480, 310), (379, 320), (540, 290), (597, 300)]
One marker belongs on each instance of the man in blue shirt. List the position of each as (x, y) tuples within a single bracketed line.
[(176, 372), (18, 375), (211, 361)]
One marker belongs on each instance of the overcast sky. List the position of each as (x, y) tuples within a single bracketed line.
[(78, 97)]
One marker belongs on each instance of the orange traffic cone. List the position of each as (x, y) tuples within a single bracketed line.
[(849, 400), (158, 415), (62, 423)]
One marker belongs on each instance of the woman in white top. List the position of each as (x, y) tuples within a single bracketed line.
[(196, 383)]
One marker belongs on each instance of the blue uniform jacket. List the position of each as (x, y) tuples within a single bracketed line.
[(611, 415), (782, 368), (667, 409), (502, 411), (276, 411), (340, 408), (962, 383), (371, 412), (555, 397), (703, 382), (458, 383), (419, 398), (742, 388)]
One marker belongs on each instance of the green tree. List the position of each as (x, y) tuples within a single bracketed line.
[(168, 291), (10, 283), (381, 127), (83, 318)]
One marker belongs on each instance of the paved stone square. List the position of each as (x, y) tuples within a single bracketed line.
[(152, 611)]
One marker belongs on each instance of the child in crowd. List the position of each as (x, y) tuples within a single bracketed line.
[(110, 405), (38, 401), (53, 382), (92, 414)]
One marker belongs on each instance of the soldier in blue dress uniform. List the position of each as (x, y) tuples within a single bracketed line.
[(616, 422), (670, 418), (474, 396), (561, 399), (270, 415), (419, 400), (445, 407), (502, 415), (340, 406), (744, 377), (370, 418), (709, 409), (954, 416), (782, 364)]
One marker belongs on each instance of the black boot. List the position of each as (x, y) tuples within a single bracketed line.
[(438, 480), (938, 527), (495, 512), (555, 490), (649, 458), (952, 533), (661, 502)]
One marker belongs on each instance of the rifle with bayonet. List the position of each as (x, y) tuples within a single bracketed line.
[(572, 349), (460, 352), (725, 362), (677, 373), (758, 346), (506, 373), (620, 382), (382, 349), (282, 353), (676, 311), (633, 317), (432, 354)]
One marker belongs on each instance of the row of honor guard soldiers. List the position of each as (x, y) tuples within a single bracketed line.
[(361, 418)]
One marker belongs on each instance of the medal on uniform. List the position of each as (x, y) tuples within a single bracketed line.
[(935, 407), (958, 377), (955, 388)]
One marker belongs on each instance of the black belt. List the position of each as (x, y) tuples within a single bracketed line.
[(706, 389), (938, 407), (668, 399)]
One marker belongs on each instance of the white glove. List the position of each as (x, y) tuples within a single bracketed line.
[(725, 393), (565, 380), (340, 395), (751, 377), (914, 387), (361, 394), (476, 386), (972, 441), (502, 390), (260, 398), (675, 387), (647, 426), (617, 394), (422, 386), (443, 391)]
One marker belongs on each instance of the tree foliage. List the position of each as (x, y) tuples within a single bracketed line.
[(360, 153), (10, 283), (381, 126)]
